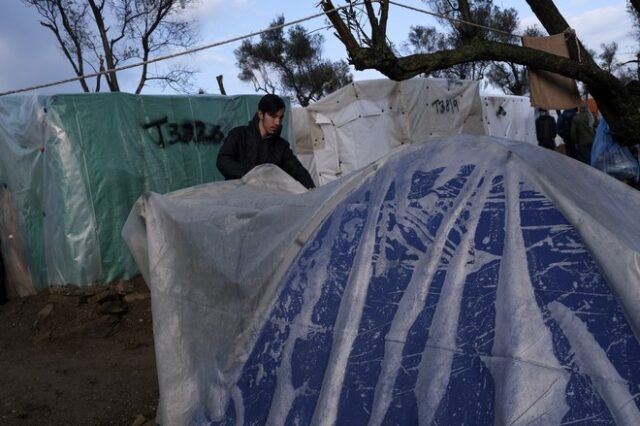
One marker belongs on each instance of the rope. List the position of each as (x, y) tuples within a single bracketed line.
[(571, 33)]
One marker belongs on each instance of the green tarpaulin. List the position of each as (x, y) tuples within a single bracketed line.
[(75, 165)]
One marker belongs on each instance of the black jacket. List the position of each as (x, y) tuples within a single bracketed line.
[(546, 131), (244, 148)]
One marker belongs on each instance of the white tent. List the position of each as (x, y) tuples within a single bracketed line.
[(510, 117), (365, 120)]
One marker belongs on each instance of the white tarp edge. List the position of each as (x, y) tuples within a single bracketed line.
[(509, 117)]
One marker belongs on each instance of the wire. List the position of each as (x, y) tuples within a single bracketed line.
[(461, 21)]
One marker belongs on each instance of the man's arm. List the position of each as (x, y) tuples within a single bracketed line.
[(293, 167), (227, 161)]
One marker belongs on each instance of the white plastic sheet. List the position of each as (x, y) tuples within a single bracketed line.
[(493, 287), (509, 117), (363, 121)]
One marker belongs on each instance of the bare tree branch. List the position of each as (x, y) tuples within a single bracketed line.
[(140, 29)]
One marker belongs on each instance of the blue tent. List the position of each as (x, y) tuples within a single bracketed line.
[(463, 281)]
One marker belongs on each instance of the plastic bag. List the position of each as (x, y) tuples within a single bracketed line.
[(612, 158)]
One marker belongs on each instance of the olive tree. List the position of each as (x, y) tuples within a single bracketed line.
[(291, 63)]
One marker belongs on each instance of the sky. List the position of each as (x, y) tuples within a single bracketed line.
[(30, 56)]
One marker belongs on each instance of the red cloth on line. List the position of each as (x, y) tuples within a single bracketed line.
[(549, 90)]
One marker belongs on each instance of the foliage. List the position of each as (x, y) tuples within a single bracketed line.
[(510, 76), (485, 15), (635, 15), (106, 34), (291, 64), (427, 39), (610, 63)]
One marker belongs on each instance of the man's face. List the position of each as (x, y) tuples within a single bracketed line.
[(269, 123)]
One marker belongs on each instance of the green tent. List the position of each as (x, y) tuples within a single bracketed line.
[(72, 166)]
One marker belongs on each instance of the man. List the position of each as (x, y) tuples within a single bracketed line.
[(546, 130), (582, 133), (564, 130), (259, 142)]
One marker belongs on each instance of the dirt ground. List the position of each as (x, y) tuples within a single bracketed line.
[(79, 356)]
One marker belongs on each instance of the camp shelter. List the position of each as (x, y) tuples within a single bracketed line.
[(365, 120), (508, 116), (428, 287), (72, 166)]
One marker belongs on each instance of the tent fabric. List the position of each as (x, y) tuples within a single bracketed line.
[(75, 165), (429, 287), (365, 120), (549, 90), (510, 117)]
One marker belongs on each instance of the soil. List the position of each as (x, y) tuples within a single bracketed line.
[(79, 356)]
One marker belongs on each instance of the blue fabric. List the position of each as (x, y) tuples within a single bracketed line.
[(612, 158), (402, 223)]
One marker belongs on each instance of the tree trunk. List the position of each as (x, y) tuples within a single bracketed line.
[(111, 77)]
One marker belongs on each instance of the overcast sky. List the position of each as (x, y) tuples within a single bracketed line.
[(31, 57)]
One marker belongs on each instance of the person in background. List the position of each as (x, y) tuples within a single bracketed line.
[(546, 130), (259, 142), (582, 134), (564, 130)]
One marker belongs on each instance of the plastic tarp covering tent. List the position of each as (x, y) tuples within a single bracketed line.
[(365, 120), (429, 287), (75, 165)]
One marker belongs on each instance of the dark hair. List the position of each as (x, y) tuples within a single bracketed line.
[(271, 104)]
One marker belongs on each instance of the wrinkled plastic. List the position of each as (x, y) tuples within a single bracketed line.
[(365, 120), (466, 280), (75, 165), (509, 117), (612, 158)]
